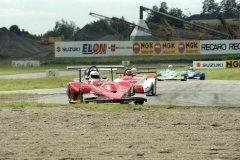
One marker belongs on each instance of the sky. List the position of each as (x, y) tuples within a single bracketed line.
[(39, 16)]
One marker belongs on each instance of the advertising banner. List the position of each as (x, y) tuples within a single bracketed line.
[(232, 63), (52, 73), (160, 48), (209, 64), (219, 47), (93, 48), (25, 63)]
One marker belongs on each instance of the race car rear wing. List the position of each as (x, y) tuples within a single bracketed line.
[(139, 70), (100, 68)]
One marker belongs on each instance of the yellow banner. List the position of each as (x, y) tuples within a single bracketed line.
[(160, 48), (232, 63)]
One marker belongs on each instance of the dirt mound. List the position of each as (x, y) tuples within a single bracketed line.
[(13, 46), (87, 33)]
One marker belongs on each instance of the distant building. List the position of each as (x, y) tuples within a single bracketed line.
[(212, 19)]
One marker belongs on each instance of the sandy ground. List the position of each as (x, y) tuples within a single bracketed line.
[(72, 133)]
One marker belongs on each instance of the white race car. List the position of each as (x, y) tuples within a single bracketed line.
[(148, 82)]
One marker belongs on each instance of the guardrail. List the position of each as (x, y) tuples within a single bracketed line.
[(176, 65), (139, 70)]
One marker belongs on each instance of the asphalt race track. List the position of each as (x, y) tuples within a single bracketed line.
[(181, 93)]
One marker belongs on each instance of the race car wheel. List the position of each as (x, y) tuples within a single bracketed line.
[(154, 88), (80, 95), (185, 78), (202, 78), (69, 94), (139, 102), (132, 91)]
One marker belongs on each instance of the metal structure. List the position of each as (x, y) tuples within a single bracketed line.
[(182, 33), (112, 29), (104, 19), (172, 29), (231, 33), (195, 26), (121, 21)]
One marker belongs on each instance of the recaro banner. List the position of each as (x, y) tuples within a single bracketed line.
[(219, 47), (93, 48), (160, 48)]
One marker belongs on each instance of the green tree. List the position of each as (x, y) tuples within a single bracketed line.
[(64, 28), (153, 16), (118, 27), (156, 17), (100, 27), (163, 7), (228, 6), (210, 6), (176, 12), (15, 29), (104, 30)]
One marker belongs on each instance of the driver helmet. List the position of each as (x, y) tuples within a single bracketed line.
[(170, 67), (190, 68), (134, 71), (129, 72), (94, 75)]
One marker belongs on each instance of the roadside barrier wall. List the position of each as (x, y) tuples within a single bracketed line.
[(145, 48)]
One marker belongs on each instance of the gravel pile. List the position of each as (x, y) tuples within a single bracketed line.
[(87, 33), (17, 47), (13, 46)]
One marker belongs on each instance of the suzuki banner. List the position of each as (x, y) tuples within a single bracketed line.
[(209, 64), (93, 48)]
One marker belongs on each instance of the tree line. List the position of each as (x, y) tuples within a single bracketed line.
[(69, 29)]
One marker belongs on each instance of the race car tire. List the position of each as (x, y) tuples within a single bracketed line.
[(185, 78), (139, 102), (80, 95), (132, 91), (69, 93), (154, 88), (202, 78)]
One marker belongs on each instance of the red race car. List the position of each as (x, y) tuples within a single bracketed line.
[(144, 76), (93, 89)]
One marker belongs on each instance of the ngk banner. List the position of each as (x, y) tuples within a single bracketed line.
[(220, 47), (232, 63), (93, 48), (161, 48), (209, 64)]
